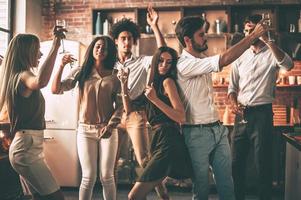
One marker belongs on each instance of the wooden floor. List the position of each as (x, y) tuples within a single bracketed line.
[(175, 194)]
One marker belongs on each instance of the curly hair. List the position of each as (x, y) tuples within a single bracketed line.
[(125, 25), (253, 19)]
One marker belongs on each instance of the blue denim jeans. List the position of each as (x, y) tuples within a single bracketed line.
[(210, 146)]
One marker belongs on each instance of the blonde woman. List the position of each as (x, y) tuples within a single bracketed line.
[(20, 91)]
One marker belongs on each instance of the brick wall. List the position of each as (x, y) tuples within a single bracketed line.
[(281, 106), (78, 15)]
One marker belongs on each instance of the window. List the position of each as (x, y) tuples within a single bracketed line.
[(5, 25)]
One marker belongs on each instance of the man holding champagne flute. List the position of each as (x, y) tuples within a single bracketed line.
[(251, 92)]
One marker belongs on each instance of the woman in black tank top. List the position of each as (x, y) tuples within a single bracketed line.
[(20, 93), (165, 112)]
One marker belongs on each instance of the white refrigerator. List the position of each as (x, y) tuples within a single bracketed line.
[(61, 117)]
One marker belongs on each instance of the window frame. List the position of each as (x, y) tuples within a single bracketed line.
[(10, 21)]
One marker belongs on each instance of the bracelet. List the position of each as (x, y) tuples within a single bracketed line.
[(124, 95)]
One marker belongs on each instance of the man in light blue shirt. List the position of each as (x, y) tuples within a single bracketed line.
[(251, 92), (205, 137)]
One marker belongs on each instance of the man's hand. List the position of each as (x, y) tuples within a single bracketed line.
[(152, 16), (234, 106), (260, 29)]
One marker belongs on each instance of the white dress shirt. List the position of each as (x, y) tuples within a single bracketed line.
[(253, 76), (196, 91), (138, 67)]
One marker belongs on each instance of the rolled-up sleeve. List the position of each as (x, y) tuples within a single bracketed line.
[(192, 66), (286, 63), (70, 81), (234, 79), (147, 60)]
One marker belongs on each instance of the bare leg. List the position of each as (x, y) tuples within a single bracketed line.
[(141, 189), (162, 191), (137, 130)]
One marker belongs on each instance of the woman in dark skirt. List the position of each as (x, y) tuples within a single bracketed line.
[(165, 112)]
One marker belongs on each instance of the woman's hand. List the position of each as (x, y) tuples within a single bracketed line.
[(150, 93), (67, 59), (123, 75), (59, 34)]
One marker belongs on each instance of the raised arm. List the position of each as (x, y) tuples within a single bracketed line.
[(234, 52), (56, 83), (282, 58), (33, 82), (152, 20), (176, 112)]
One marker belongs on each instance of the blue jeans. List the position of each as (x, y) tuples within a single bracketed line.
[(210, 146)]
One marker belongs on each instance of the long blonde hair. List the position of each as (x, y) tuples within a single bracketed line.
[(21, 55)]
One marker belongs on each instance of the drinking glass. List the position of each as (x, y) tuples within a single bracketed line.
[(242, 109), (268, 22), (62, 24)]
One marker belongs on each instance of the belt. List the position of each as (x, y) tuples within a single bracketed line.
[(155, 126), (259, 107), (216, 123), (95, 126)]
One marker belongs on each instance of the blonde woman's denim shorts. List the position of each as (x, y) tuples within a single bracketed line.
[(27, 158)]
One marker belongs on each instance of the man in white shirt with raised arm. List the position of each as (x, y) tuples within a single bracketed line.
[(205, 137), (251, 93)]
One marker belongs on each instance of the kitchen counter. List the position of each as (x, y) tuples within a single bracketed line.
[(294, 139), (292, 165)]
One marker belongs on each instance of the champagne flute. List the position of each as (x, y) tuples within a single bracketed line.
[(242, 109), (268, 22), (62, 24)]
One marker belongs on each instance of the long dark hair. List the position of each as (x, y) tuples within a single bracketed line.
[(172, 72), (89, 60)]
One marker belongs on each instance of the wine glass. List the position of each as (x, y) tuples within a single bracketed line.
[(62, 24), (268, 22), (242, 110)]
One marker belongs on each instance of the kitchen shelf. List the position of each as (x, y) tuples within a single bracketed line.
[(278, 86), (231, 17), (145, 35), (289, 86), (220, 86)]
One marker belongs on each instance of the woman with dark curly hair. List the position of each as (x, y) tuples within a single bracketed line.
[(165, 112), (97, 139), (126, 34)]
